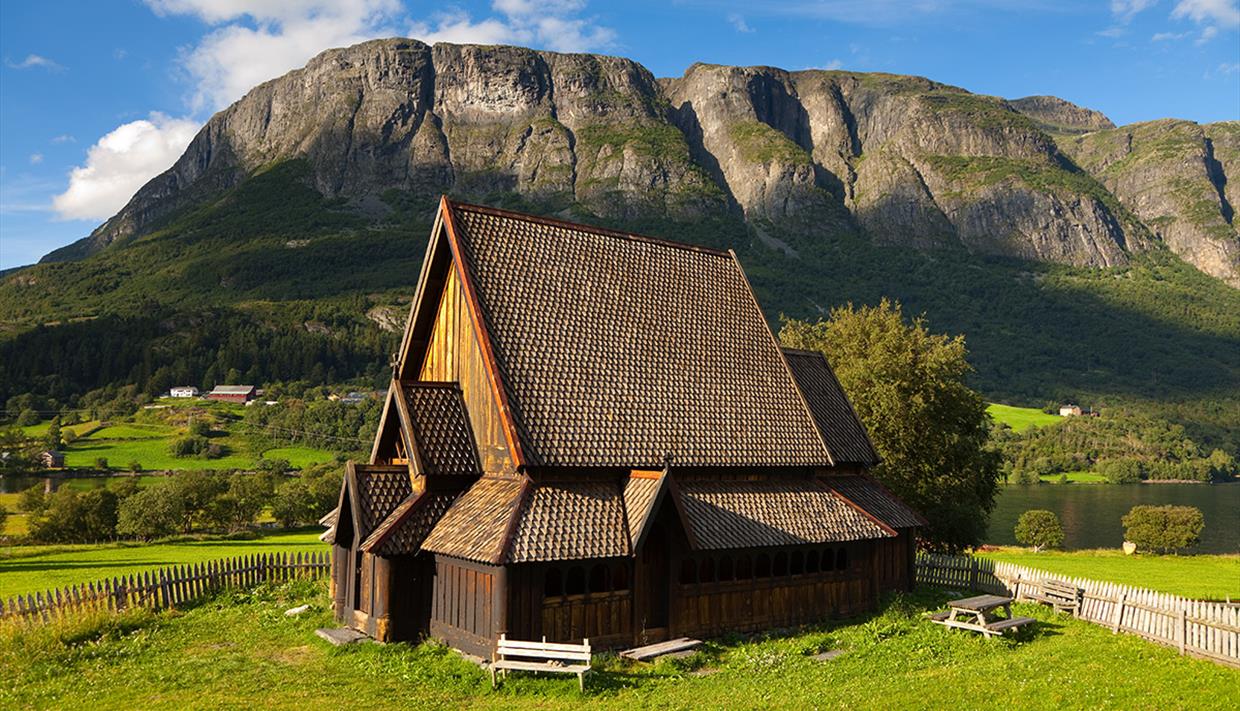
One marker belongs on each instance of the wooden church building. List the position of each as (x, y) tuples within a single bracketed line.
[(592, 434)]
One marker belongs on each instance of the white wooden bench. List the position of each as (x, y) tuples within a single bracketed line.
[(544, 656), (1056, 593)]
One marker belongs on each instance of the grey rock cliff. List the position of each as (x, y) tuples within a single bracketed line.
[(800, 155)]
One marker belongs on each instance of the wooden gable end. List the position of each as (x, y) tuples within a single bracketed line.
[(442, 343)]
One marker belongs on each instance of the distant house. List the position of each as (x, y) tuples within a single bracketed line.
[(184, 391), (52, 459), (354, 397), (233, 393), (1070, 411)]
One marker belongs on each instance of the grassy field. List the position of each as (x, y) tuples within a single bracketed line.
[(240, 651), (81, 429), (1020, 418), (1075, 478), (1209, 577), (25, 569)]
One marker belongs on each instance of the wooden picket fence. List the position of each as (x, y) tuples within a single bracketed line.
[(1201, 628), (166, 588)]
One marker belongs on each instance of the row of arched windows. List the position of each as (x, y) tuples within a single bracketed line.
[(726, 567), (600, 578)]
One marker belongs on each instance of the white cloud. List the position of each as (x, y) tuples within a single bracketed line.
[(1229, 68), (551, 24), (458, 28), (1125, 10), (1220, 12), (739, 23), (34, 60), (120, 163), (1169, 36), (1206, 35), (1112, 32), (64, 138), (36, 158), (834, 64)]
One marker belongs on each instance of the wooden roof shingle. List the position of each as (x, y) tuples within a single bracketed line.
[(615, 350), (441, 429), (876, 499), (404, 530), (778, 511), (478, 525), (844, 434), (380, 489), (571, 521)]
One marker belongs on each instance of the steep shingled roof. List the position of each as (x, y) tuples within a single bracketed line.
[(876, 499), (380, 489), (844, 434), (617, 350), (441, 429), (477, 525), (404, 530)]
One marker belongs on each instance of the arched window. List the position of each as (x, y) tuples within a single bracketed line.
[(706, 571), (811, 561), (796, 565), (620, 576), (725, 568), (781, 564), (576, 582), (600, 578), (762, 569), (841, 559), (744, 568), (688, 572), (828, 560), (553, 583)]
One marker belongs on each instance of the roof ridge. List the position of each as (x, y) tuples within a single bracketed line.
[(579, 227)]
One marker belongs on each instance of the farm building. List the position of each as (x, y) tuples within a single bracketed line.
[(233, 393), (52, 459), (592, 434), (184, 391), (1070, 411)]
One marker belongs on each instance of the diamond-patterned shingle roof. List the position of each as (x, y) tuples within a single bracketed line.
[(769, 512), (876, 499), (380, 489), (571, 521), (441, 429), (617, 350), (404, 530), (476, 524), (844, 434)]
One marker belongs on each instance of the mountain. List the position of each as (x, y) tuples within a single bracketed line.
[(1058, 243)]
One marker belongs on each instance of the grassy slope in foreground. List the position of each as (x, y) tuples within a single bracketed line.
[(1020, 418), (1206, 577), (28, 569), (240, 651)]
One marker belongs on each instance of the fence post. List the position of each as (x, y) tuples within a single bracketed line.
[(1119, 613), (973, 570), (1181, 629)]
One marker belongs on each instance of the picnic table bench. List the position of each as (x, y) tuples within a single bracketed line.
[(1056, 593), (544, 656), (975, 614)]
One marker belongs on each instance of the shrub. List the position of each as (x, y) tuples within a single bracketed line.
[(189, 446), (27, 418), (101, 463), (32, 500), (135, 466), (1163, 528), (73, 517), (150, 513), (1039, 528), (1121, 471), (1027, 476), (199, 428), (4, 517)]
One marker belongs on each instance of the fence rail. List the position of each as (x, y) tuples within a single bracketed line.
[(166, 588), (1197, 627)]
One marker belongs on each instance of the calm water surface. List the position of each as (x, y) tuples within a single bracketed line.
[(1091, 513)]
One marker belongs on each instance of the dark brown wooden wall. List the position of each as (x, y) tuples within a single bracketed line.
[(893, 561), (572, 601), (453, 354), (463, 605)]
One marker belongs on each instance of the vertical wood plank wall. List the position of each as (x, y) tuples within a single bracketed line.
[(462, 605), (454, 354)]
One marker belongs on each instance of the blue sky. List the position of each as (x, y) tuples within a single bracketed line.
[(98, 97)]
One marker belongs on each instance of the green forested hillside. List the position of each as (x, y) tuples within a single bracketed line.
[(274, 282)]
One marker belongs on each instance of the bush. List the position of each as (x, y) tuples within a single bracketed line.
[(135, 466), (1164, 528), (1039, 528), (4, 517), (101, 463), (27, 418), (1027, 476), (73, 517), (305, 499), (152, 512), (32, 500), (199, 428), (1121, 471), (188, 446)]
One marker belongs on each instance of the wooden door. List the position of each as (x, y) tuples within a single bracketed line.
[(655, 585)]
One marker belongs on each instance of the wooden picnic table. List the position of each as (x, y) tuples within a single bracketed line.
[(976, 614)]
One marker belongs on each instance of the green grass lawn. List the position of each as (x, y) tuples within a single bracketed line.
[(133, 430), (240, 651), (27, 569), (1075, 478), (152, 454), (1020, 418), (81, 429), (1209, 577)]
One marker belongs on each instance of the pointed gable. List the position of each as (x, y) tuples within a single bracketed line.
[(613, 350), (844, 434)]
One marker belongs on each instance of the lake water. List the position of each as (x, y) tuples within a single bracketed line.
[(1091, 513)]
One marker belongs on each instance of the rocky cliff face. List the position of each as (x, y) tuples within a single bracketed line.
[(801, 155)]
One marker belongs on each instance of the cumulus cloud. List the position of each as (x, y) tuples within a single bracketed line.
[(834, 64), (1169, 36), (33, 61), (1125, 10), (550, 24), (1221, 12), (739, 23), (120, 163)]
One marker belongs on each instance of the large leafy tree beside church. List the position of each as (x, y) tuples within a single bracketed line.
[(908, 387)]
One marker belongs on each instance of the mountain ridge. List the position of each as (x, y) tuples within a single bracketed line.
[(903, 160)]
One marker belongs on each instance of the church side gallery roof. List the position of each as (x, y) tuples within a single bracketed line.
[(617, 350)]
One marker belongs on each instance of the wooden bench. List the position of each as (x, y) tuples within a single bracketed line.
[(544, 656), (1012, 623), (1056, 593)]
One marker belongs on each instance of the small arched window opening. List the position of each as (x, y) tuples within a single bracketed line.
[(841, 559), (600, 578), (781, 564), (762, 569), (828, 560), (576, 582), (553, 583), (620, 576), (725, 568), (744, 568), (811, 561), (796, 565), (688, 572), (706, 571)]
